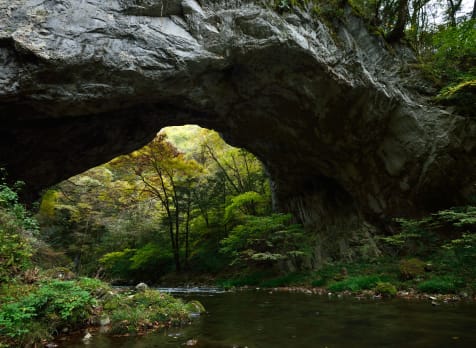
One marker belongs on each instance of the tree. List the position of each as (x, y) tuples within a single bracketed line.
[(401, 13), (453, 7), (168, 177)]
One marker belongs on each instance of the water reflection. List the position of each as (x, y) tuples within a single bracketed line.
[(265, 320)]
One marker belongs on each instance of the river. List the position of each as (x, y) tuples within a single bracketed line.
[(265, 319)]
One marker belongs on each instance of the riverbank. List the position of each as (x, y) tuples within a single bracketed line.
[(35, 312), (432, 279), (434, 299)]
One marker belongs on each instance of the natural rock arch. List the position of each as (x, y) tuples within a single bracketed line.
[(343, 135)]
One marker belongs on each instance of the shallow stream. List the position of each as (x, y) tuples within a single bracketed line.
[(265, 319)]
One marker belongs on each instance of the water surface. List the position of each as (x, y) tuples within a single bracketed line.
[(260, 319)]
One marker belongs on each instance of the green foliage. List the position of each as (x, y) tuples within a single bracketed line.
[(148, 258), (117, 264), (425, 236), (245, 202), (455, 51), (17, 231), (414, 239), (464, 248), (385, 289), (131, 263), (52, 305), (195, 307), (458, 217), (94, 286), (411, 268), (319, 281), (453, 63), (462, 94), (48, 203), (441, 284), (266, 240), (355, 283), (145, 310)]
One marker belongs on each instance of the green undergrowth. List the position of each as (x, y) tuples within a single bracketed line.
[(442, 285), (440, 273), (355, 283), (36, 304), (147, 310), (32, 313)]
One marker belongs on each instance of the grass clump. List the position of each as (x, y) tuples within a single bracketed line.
[(355, 283), (441, 285)]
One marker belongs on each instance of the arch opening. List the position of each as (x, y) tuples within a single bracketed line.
[(182, 198)]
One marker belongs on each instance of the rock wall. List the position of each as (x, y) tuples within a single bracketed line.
[(343, 135)]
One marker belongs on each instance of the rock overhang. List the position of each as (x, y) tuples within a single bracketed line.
[(325, 109)]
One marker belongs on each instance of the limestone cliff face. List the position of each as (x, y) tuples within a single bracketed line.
[(342, 136)]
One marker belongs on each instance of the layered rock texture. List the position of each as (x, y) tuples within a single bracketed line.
[(342, 135)]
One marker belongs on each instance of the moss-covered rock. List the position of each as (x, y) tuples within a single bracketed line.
[(385, 289), (411, 268), (195, 307), (462, 96), (147, 310)]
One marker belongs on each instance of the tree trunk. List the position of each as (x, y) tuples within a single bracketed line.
[(187, 230), (453, 7), (398, 31), (178, 267)]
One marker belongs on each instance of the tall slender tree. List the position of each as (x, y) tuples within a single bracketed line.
[(168, 177)]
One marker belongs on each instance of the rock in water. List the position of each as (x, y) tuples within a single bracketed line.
[(345, 138), (142, 287), (87, 337)]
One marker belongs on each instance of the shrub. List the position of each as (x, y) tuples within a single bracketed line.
[(385, 289), (411, 268), (117, 264), (17, 229), (95, 287), (266, 241)]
